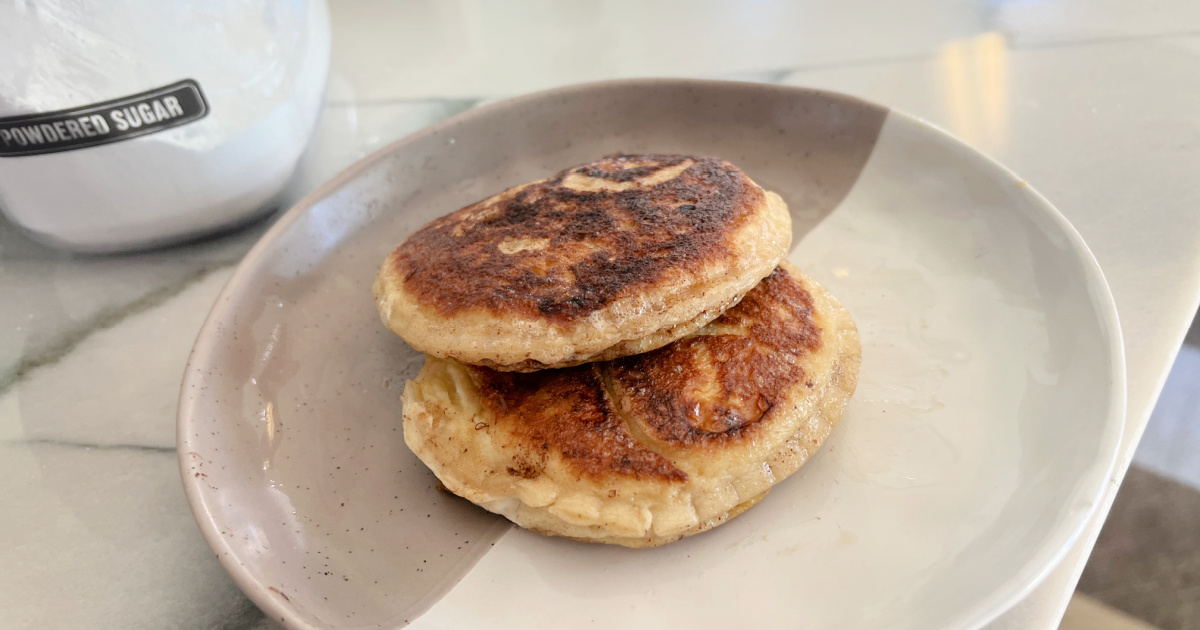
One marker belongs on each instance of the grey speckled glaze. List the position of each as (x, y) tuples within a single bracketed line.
[(289, 435), (978, 443)]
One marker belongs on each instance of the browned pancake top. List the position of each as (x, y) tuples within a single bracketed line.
[(701, 391), (568, 412), (713, 388), (565, 247)]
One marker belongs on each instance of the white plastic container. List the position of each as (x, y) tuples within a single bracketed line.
[(181, 117)]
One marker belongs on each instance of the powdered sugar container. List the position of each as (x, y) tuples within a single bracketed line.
[(132, 123)]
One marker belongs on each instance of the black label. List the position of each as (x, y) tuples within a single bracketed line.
[(102, 123)]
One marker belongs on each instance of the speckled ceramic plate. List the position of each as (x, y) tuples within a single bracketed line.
[(985, 423)]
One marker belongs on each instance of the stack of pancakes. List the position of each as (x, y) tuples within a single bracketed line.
[(618, 353)]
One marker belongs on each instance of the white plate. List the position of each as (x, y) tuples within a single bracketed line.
[(991, 396)]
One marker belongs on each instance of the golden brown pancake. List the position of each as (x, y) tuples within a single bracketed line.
[(644, 450), (611, 258)]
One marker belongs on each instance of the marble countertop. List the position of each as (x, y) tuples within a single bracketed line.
[(1096, 103)]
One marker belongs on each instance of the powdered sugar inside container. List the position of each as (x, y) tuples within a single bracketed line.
[(135, 123)]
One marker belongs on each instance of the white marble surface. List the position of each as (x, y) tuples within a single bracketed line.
[(1095, 102)]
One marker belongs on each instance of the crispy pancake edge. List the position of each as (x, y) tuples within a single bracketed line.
[(634, 321), (809, 426)]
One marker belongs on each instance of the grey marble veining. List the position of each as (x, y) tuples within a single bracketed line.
[(53, 300), (92, 349), (105, 540), (123, 378)]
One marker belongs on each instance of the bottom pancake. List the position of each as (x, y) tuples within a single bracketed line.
[(646, 449)]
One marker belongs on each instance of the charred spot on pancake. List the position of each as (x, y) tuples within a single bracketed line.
[(567, 246), (624, 168), (569, 412), (525, 469), (719, 383)]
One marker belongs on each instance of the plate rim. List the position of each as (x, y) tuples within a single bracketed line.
[(998, 602), (1012, 589)]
